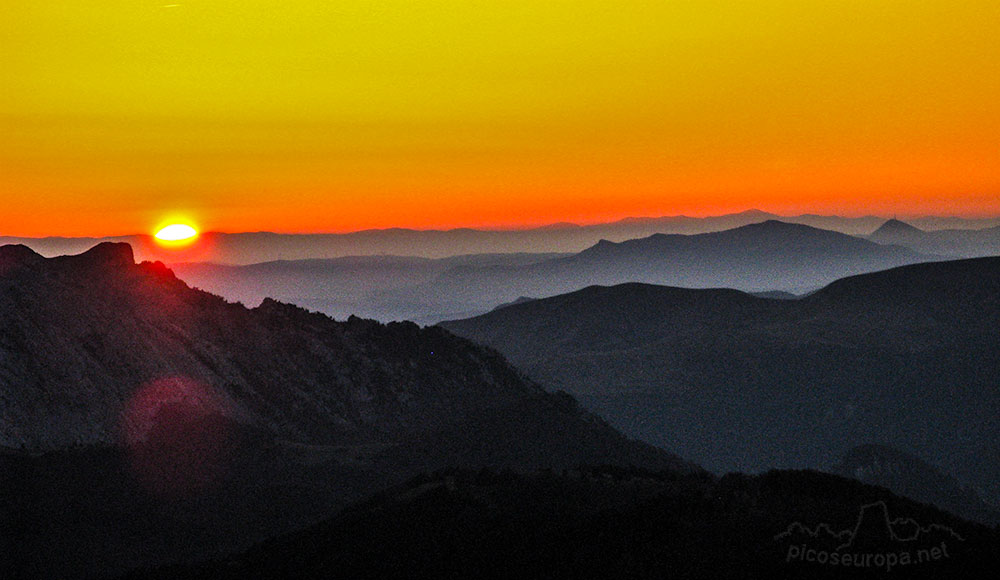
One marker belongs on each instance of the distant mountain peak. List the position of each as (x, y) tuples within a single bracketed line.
[(895, 226), (516, 301), (771, 239)]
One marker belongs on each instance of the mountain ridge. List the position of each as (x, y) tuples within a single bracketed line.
[(763, 257), (151, 324), (146, 422)]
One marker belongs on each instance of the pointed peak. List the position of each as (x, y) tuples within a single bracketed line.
[(896, 226), (601, 246)]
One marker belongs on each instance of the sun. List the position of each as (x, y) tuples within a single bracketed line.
[(176, 235)]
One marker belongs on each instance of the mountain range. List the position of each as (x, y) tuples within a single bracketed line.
[(770, 255), (257, 247), (906, 357), (147, 426), (766, 256)]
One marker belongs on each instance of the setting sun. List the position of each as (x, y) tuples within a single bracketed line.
[(177, 234)]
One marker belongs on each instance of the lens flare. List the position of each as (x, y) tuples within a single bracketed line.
[(178, 436)]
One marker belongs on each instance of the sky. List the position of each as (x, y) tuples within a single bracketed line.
[(117, 116)]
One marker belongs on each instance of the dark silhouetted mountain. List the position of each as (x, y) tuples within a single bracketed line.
[(914, 478), (908, 357), (962, 243), (175, 424), (612, 523)]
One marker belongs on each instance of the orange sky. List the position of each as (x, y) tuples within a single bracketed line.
[(335, 116)]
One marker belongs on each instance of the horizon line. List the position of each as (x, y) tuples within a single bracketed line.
[(528, 228)]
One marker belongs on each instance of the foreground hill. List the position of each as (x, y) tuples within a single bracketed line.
[(133, 402), (907, 357), (610, 523)]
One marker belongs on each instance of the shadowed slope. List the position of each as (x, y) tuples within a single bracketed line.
[(906, 357)]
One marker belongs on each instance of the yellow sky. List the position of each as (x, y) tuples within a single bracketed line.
[(341, 115)]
